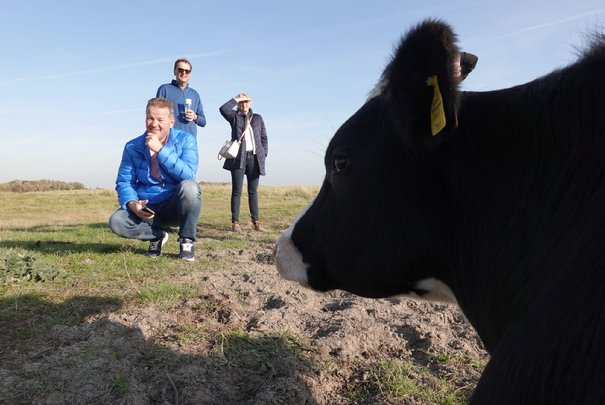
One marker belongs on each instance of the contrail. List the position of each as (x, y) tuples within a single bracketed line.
[(119, 67), (549, 24), (130, 110)]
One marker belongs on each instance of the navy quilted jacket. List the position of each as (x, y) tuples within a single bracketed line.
[(237, 119)]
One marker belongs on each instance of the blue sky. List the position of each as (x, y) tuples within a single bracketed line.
[(76, 76)]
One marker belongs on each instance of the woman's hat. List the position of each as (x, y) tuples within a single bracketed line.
[(242, 97)]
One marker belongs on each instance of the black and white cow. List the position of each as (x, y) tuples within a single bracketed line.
[(493, 200)]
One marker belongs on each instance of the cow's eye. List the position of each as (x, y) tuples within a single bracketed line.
[(340, 163)]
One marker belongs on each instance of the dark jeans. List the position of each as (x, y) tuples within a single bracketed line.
[(183, 209), (252, 172)]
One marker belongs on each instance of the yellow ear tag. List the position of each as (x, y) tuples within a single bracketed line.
[(437, 111)]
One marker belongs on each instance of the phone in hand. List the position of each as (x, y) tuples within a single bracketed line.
[(147, 209)]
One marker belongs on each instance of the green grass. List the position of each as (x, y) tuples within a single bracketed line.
[(189, 334), (65, 232), (237, 346), (120, 384), (404, 381), (396, 381)]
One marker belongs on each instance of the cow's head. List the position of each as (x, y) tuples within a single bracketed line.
[(377, 227)]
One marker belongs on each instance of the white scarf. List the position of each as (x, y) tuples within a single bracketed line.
[(249, 138)]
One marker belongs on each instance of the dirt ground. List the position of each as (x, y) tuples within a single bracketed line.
[(250, 338)]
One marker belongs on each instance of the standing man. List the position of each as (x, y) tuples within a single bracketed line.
[(188, 110), (156, 184)]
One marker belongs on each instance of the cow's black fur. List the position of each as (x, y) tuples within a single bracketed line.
[(507, 209)]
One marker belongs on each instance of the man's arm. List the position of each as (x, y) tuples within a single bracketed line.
[(126, 179), (181, 166), (201, 118)]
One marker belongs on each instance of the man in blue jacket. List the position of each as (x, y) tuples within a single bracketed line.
[(188, 109), (156, 184)]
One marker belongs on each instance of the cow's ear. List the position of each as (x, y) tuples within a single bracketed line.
[(421, 83)]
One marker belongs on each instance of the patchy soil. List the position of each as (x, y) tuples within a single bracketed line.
[(249, 338)]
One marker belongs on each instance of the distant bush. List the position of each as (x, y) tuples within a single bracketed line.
[(24, 186), (214, 183)]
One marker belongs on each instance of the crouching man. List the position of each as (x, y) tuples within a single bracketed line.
[(156, 184)]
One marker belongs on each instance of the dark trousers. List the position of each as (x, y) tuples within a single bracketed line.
[(182, 209), (252, 172)]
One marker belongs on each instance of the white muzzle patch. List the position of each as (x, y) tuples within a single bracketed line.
[(436, 290), (288, 259)]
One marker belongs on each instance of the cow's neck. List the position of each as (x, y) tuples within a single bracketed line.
[(528, 188)]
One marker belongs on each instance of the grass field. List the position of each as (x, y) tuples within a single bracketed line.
[(68, 230)]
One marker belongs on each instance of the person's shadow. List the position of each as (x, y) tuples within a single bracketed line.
[(83, 351), (62, 246)]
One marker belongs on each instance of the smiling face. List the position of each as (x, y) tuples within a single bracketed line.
[(158, 121), (182, 73)]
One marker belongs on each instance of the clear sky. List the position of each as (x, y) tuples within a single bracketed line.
[(76, 75)]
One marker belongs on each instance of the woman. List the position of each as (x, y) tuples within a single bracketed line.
[(250, 160)]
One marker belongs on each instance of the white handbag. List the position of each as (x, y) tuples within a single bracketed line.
[(229, 150)]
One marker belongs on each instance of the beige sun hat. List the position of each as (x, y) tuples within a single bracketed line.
[(239, 97)]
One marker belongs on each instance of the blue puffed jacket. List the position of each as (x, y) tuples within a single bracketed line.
[(237, 120), (178, 161)]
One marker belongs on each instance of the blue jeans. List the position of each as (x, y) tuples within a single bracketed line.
[(182, 209), (252, 172)]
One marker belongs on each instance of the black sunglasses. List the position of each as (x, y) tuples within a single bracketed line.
[(187, 71)]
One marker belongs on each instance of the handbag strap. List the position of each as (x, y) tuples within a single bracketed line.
[(248, 123)]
